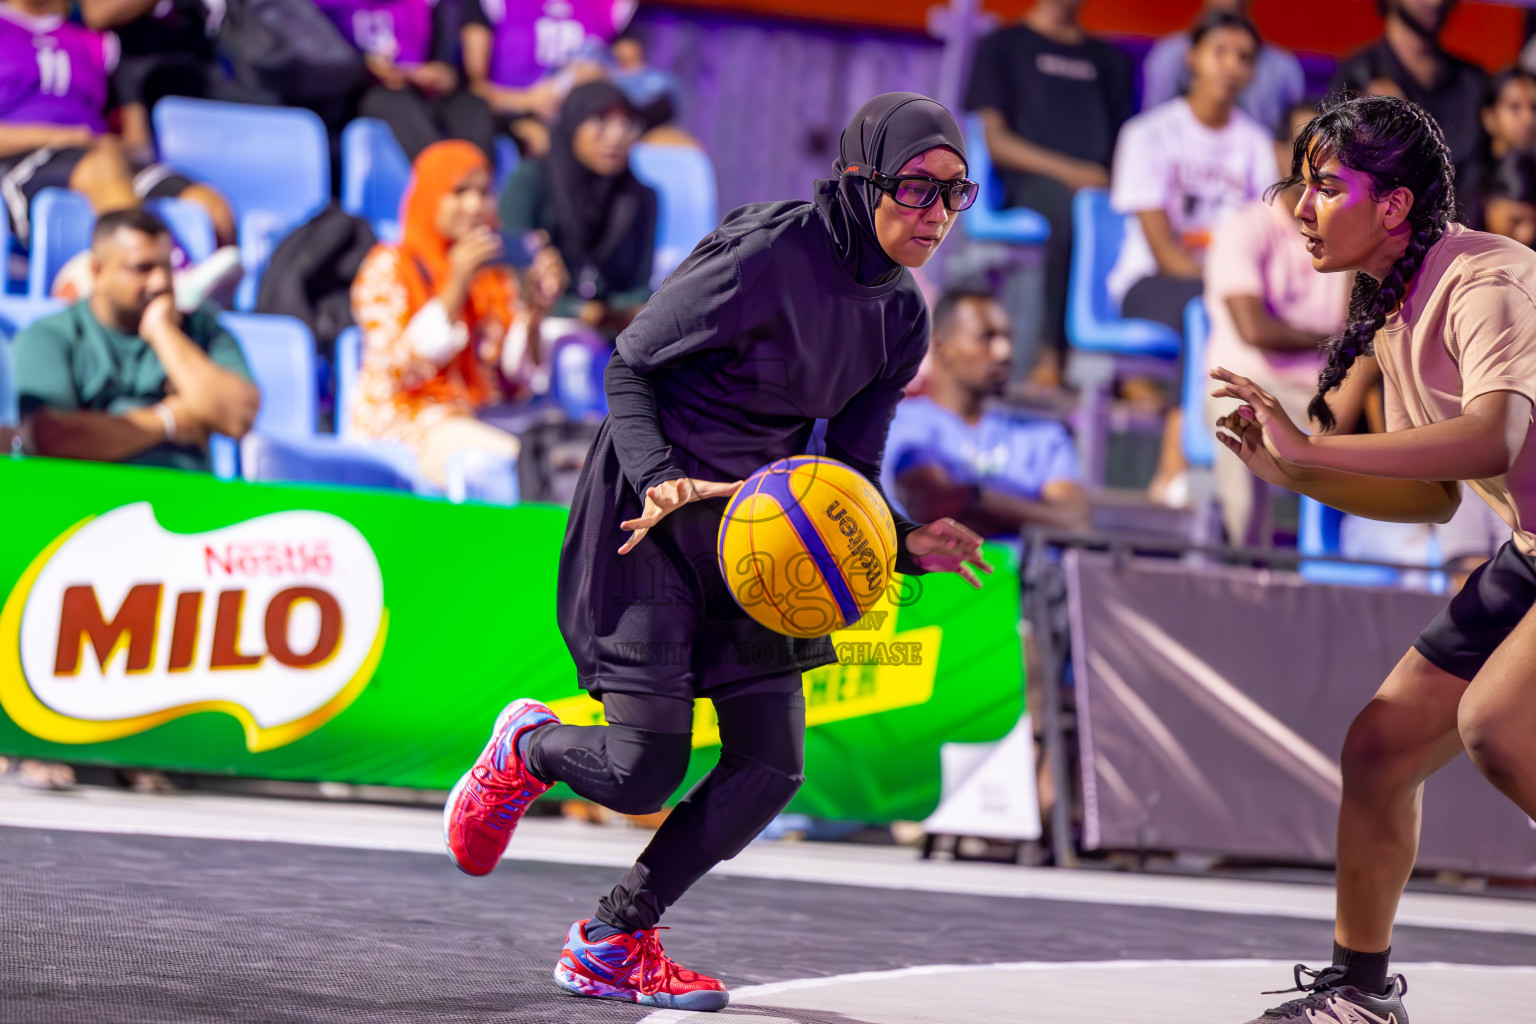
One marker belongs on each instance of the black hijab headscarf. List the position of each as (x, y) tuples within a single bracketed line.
[(884, 134), (593, 213)]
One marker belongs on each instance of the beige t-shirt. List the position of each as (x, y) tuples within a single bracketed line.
[(1467, 328)]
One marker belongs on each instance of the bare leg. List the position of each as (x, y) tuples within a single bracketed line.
[(1497, 717), (104, 177), (218, 211), (1406, 734)]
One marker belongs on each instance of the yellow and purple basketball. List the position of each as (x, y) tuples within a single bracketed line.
[(806, 546)]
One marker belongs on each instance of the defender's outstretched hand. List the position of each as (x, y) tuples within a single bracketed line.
[(946, 546), (1285, 441), (669, 495)]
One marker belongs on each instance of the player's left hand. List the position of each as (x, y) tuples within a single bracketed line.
[(1284, 440), (668, 496), (946, 546)]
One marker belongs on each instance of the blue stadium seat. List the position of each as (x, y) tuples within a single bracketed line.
[(16, 312), (507, 159), (374, 174), (62, 222), (61, 227), (281, 356), (476, 475), (270, 159), (684, 180), (1094, 323), (1105, 345), (577, 380), (325, 460), (190, 225), (1197, 438), (349, 360), (273, 164), (1318, 537), (989, 220)]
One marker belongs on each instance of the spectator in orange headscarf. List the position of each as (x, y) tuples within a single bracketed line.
[(443, 328)]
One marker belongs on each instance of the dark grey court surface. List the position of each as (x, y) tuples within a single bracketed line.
[(142, 928)]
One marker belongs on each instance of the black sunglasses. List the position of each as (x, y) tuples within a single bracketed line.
[(918, 191)]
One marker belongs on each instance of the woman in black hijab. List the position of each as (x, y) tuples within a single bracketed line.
[(788, 313), (595, 211)]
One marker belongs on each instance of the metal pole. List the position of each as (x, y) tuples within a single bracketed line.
[(1049, 689)]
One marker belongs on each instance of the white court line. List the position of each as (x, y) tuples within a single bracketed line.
[(743, 996), (418, 830)]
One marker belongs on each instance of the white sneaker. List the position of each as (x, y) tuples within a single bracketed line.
[(214, 278)]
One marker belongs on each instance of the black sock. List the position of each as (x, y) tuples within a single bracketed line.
[(597, 930), (1365, 971), (523, 743)]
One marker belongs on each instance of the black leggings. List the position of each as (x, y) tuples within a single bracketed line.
[(639, 759)]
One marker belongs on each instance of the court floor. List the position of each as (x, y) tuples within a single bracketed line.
[(191, 907)]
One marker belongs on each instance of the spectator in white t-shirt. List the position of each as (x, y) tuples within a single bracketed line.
[(1278, 80), (1181, 168), (1269, 312)]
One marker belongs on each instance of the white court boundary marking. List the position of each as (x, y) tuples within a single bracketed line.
[(741, 996), (258, 819)]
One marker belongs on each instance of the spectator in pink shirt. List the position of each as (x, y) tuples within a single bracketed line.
[(1269, 312)]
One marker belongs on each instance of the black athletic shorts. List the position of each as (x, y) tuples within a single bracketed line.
[(24, 175), (1496, 597)]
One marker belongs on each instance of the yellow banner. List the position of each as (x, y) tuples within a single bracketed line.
[(879, 670)]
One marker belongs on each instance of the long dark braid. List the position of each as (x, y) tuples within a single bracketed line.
[(1399, 146)]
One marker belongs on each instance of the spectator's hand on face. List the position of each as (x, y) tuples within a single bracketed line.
[(386, 71), (593, 312), (470, 253), (160, 316), (434, 78)]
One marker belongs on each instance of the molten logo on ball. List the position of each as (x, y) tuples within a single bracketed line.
[(806, 546)]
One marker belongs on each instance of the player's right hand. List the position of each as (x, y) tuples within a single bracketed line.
[(669, 495)]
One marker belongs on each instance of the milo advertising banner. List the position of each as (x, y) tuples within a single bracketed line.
[(153, 618)]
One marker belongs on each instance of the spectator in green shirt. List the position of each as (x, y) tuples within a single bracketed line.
[(123, 376)]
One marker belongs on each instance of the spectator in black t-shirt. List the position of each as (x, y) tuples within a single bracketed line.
[(1052, 99), (1409, 54), (167, 49)]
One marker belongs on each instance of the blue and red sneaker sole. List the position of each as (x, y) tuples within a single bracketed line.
[(704, 1001)]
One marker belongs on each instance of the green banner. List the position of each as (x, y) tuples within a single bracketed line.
[(161, 619)]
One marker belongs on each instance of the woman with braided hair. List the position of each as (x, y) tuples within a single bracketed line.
[(1450, 316)]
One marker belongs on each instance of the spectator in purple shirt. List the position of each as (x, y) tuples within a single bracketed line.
[(408, 47), (53, 128), (947, 454), (524, 59)]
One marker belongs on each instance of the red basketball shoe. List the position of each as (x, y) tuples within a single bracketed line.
[(633, 968), (487, 803)]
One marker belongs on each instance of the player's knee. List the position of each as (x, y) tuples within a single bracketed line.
[(1495, 740), (652, 775), (1380, 757)]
